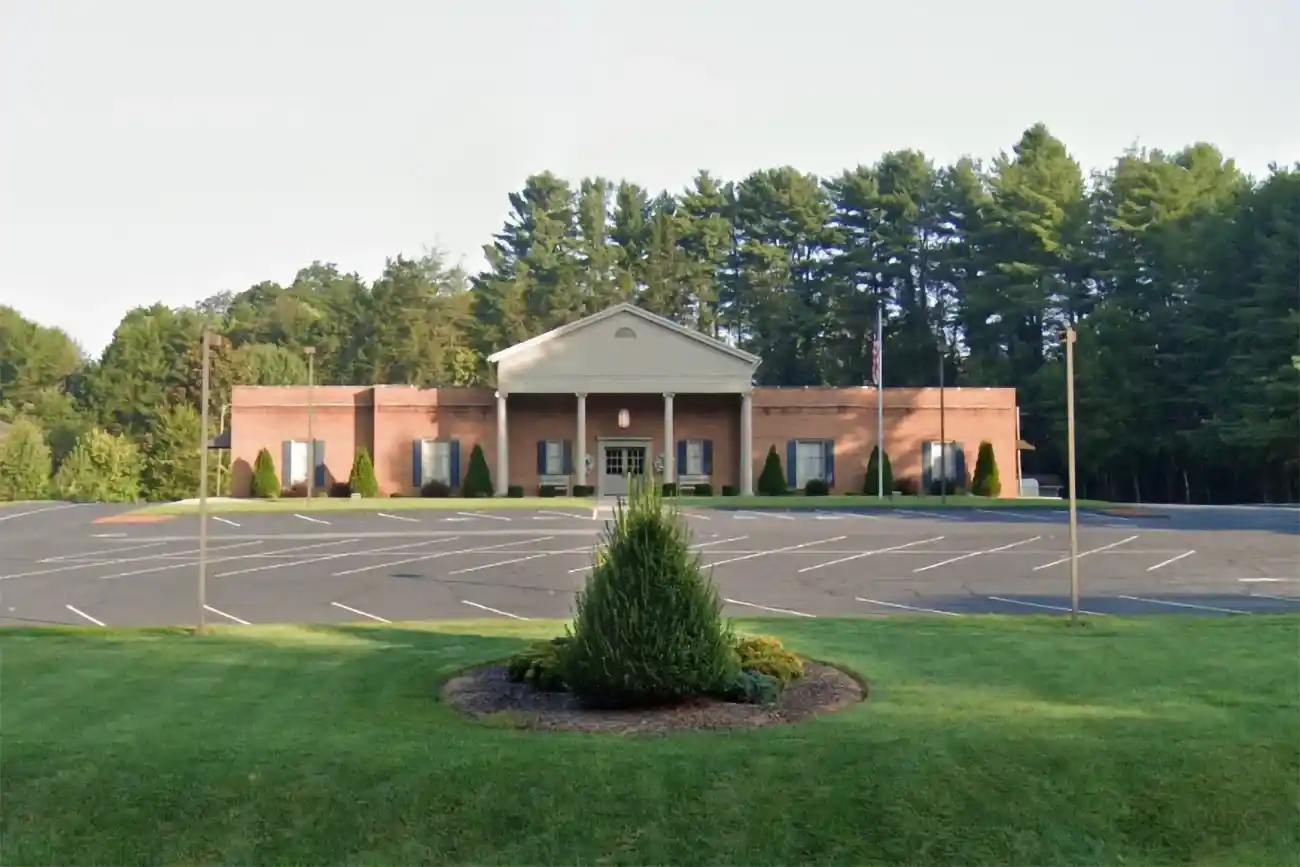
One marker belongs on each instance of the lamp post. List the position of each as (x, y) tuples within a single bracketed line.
[(310, 352), (203, 482), (943, 436), (1070, 337)]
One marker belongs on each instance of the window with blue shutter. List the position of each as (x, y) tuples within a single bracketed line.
[(541, 457), (683, 466), (959, 459), (286, 465), (927, 458), (417, 463), (791, 462), (455, 464), (828, 462), (708, 457), (568, 457), (318, 448)]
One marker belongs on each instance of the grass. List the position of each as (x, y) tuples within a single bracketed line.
[(986, 741), (384, 504)]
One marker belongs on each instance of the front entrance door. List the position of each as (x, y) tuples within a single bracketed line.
[(617, 462)]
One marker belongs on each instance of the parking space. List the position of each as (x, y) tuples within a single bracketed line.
[(395, 566)]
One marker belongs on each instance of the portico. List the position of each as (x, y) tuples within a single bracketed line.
[(621, 373)]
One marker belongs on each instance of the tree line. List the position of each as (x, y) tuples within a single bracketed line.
[(1180, 274)]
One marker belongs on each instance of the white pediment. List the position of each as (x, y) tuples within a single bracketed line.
[(623, 350)]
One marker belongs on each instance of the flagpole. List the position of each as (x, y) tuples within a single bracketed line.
[(880, 403)]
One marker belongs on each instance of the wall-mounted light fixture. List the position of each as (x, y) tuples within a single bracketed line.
[(624, 419)]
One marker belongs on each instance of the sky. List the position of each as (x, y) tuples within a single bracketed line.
[(158, 150)]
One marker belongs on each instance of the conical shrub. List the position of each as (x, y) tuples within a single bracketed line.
[(478, 479), (648, 628), (985, 482), (265, 483), (771, 481), (362, 479), (871, 483)]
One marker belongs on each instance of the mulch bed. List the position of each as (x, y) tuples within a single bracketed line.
[(487, 693)]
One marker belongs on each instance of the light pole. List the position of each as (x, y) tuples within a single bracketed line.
[(943, 437), (310, 352), (203, 482), (1074, 514)]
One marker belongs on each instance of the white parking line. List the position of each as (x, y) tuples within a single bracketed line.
[(1028, 517), (1295, 599), (474, 550), (108, 535), (1171, 560), (697, 516), (493, 610), (777, 551), (1086, 553), (227, 616), (84, 615), (766, 608), (484, 515), (1267, 580), (121, 560), (398, 517), (908, 607), (322, 558), (313, 520), (119, 549), (861, 515), (1041, 605), (573, 515), (224, 520), (975, 554), (868, 554), (777, 515), (482, 566), (1183, 605), (212, 560), (359, 611), (694, 547), (38, 511)]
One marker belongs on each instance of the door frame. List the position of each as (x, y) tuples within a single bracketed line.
[(603, 443)]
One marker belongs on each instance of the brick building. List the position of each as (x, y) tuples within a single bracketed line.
[(596, 400)]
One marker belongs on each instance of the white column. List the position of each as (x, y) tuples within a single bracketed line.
[(747, 444), (580, 453), (503, 447), (670, 444)]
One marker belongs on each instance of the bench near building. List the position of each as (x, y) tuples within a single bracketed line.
[(620, 392)]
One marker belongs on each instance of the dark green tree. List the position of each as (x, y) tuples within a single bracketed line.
[(771, 481), (362, 479), (985, 481), (478, 479), (871, 481), (266, 484)]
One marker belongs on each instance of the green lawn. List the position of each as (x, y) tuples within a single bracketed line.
[(986, 741), (384, 504)]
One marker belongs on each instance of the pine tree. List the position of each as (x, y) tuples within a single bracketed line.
[(171, 456), (266, 484), (25, 463), (478, 479), (648, 628), (362, 479), (871, 482), (985, 482), (771, 481)]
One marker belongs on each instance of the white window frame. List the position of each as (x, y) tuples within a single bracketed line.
[(694, 459), (554, 458), (808, 467), (299, 462), (435, 461), (943, 461)]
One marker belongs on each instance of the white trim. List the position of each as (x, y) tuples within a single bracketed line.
[(645, 315)]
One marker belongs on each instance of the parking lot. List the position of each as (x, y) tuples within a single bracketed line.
[(58, 566)]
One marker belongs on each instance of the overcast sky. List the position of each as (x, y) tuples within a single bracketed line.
[(166, 150)]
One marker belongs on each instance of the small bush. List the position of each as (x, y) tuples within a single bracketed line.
[(266, 484), (670, 489), (765, 654), (584, 490), (298, 490), (985, 482), (340, 490), (540, 665), (648, 627), (547, 491), (435, 488), (954, 487), (908, 486), (478, 479), (25, 463), (730, 491), (816, 488), (362, 478), (771, 482), (871, 481), (515, 492), (752, 687), (704, 489)]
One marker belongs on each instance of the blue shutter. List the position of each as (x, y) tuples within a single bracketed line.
[(828, 462), (959, 460), (319, 448), (417, 463), (681, 458), (568, 457), (541, 457), (708, 457), (286, 464), (455, 463), (791, 454), (926, 457)]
